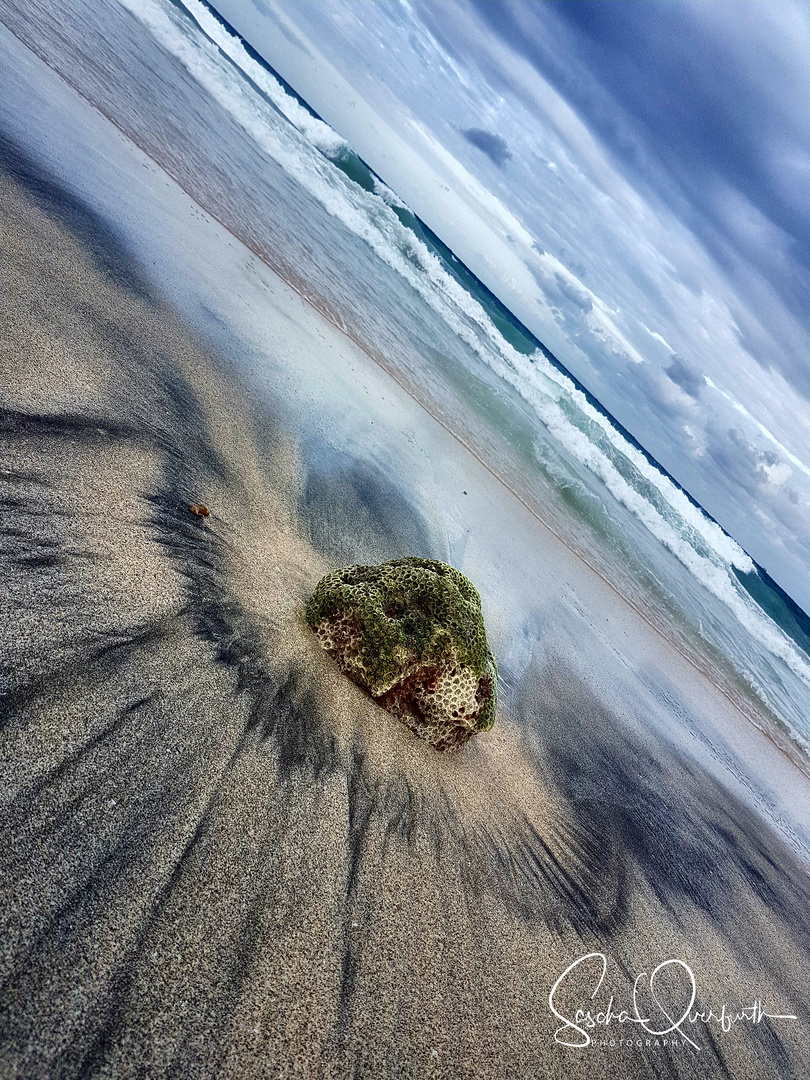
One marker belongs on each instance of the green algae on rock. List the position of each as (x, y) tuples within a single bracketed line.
[(410, 631)]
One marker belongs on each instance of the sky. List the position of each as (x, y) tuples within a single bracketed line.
[(633, 181)]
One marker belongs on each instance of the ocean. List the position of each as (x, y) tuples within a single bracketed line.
[(183, 85)]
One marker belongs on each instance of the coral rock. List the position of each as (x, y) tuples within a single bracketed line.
[(411, 632)]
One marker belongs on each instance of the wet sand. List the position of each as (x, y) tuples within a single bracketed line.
[(220, 858)]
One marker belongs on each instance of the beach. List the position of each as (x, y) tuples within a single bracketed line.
[(220, 857)]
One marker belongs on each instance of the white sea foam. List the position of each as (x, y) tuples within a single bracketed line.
[(388, 196), (370, 217), (321, 135)]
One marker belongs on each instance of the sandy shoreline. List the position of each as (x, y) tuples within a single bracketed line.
[(219, 857), (499, 458)]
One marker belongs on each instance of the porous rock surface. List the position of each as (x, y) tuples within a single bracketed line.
[(411, 632)]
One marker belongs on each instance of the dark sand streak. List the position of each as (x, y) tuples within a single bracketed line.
[(219, 858)]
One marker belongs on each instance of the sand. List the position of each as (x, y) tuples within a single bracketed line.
[(220, 858)]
